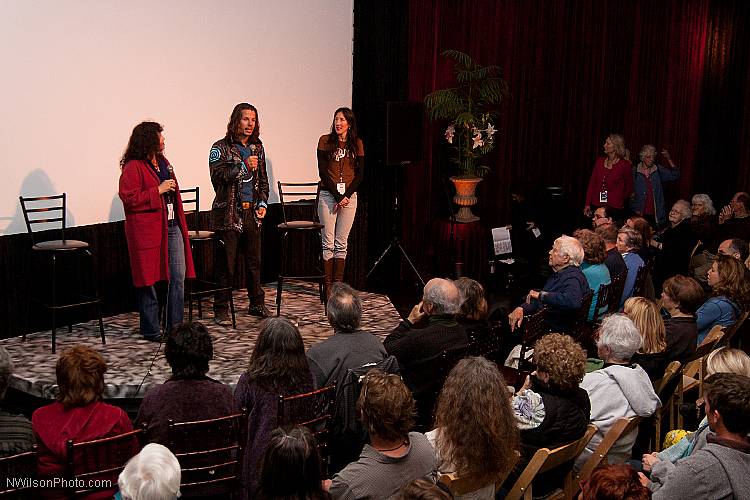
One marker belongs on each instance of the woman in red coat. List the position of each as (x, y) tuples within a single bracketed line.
[(611, 182), (155, 227)]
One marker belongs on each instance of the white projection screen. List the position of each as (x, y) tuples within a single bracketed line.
[(78, 75)]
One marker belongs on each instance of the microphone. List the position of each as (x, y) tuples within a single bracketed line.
[(170, 194)]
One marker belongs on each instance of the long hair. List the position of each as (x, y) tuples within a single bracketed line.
[(278, 360), (643, 228), (80, 376), (646, 317), (473, 301), (290, 467), (143, 142), (477, 431), (351, 135), (618, 141), (732, 282), (234, 122)]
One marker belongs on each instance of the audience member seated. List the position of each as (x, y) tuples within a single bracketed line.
[(720, 468), (704, 221), (593, 266), (614, 481), (16, 435), (291, 467), (152, 474), (78, 414), (645, 316), (475, 435), (734, 219), (601, 218), (675, 245), (648, 176), (551, 409), (563, 292), (422, 489), (628, 244), (413, 347), (619, 389), (188, 394), (473, 310), (681, 297), (394, 457), (643, 228), (349, 346), (278, 366), (661, 464), (613, 259), (729, 295)]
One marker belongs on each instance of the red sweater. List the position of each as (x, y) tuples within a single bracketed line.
[(617, 181)]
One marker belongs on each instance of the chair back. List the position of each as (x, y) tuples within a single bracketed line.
[(19, 467), (580, 323), (43, 213), (461, 485), (209, 452), (545, 459), (730, 331), (534, 327), (191, 200), (485, 341), (602, 301), (622, 427), (314, 410), (100, 461), (644, 273), (298, 194), (616, 289), (672, 370)]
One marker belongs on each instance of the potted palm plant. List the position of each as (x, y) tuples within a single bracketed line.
[(472, 108)]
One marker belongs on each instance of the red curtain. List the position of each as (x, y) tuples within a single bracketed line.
[(577, 70)]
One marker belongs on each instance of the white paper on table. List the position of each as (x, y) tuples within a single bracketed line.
[(501, 240)]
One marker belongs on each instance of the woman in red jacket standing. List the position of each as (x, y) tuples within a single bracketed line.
[(154, 227), (611, 182)]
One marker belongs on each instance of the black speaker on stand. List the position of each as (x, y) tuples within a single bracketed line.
[(403, 146)]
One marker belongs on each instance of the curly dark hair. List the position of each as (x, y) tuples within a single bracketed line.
[(80, 376), (188, 350), (386, 406), (143, 143), (732, 282), (476, 428), (234, 122), (594, 249), (278, 360), (351, 135), (473, 301), (562, 358)]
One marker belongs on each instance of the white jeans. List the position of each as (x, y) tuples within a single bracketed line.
[(337, 224)]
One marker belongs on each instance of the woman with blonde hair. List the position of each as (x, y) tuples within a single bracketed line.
[(646, 317), (476, 434), (611, 181)]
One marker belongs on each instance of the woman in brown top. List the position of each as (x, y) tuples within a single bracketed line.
[(341, 167)]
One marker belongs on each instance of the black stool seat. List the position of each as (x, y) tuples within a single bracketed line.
[(198, 235), (59, 245), (300, 225)]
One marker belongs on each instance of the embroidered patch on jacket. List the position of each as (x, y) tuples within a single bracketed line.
[(214, 155)]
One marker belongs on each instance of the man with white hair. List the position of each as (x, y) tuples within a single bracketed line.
[(619, 388), (418, 349), (563, 292)]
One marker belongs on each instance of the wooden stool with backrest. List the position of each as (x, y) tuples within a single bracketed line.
[(314, 410)]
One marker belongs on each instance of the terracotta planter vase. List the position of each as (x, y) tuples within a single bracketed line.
[(465, 198)]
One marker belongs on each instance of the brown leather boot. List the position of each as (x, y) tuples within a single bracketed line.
[(338, 269), (328, 279)]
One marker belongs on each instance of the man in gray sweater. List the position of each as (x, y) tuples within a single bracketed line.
[(720, 469)]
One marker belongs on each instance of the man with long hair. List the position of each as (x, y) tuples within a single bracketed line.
[(237, 164)]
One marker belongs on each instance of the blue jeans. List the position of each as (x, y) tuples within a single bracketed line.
[(337, 224), (148, 304)]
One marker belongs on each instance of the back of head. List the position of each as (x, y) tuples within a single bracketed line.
[(632, 238), (422, 489), (344, 308), (645, 315), (477, 432), (614, 482), (729, 394), (642, 227), (80, 376), (608, 233), (728, 360), (386, 406), (6, 370), (153, 474), (473, 301), (443, 295), (594, 249), (562, 358), (188, 350), (620, 335), (290, 467), (278, 360), (740, 246), (686, 292)]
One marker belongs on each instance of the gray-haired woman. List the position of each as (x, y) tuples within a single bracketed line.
[(648, 176)]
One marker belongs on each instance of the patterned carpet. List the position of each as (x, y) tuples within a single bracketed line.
[(128, 356)]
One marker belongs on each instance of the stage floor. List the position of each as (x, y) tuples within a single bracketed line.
[(128, 356)]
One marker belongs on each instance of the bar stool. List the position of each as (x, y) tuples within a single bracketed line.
[(297, 194), (199, 288), (37, 210)]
